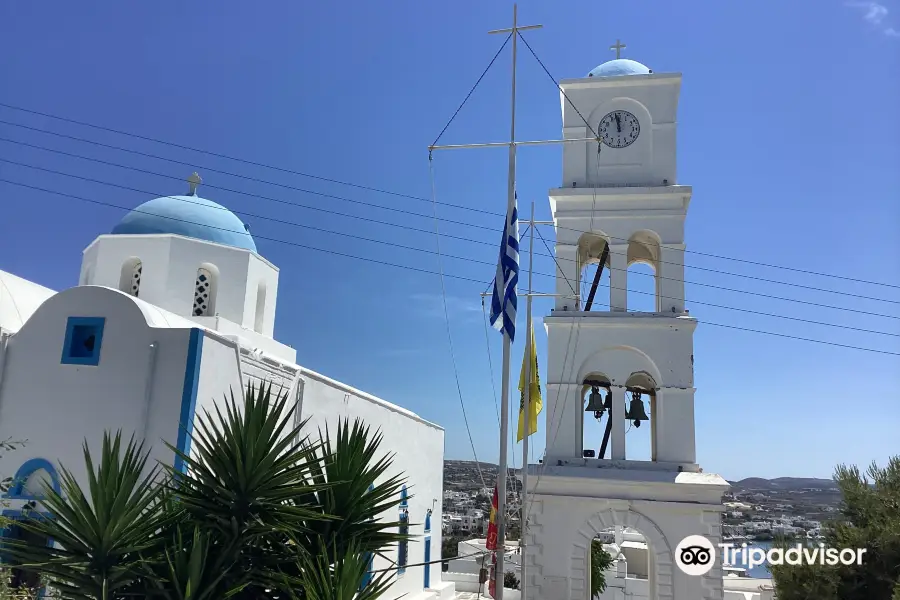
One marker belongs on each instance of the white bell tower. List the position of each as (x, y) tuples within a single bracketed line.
[(620, 204)]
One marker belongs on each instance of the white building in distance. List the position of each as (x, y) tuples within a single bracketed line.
[(174, 309)]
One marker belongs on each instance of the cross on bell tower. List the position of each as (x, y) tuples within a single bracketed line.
[(618, 46)]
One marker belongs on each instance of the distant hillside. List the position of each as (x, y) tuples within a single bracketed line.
[(782, 484), (463, 473)]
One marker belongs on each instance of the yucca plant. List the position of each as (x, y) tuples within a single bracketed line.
[(102, 532), (347, 475), (254, 509), (247, 484), (322, 578)]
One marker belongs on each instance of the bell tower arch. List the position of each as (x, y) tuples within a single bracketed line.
[(616, 374)]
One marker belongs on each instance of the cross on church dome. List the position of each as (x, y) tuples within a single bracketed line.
[(193, 181)]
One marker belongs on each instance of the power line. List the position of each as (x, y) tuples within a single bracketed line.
[(200, 151), (462, 404), (414, 249), (420, 270), (432, 562), (381, 207), (358, 186), (211, 170), (410, 228), (541, 274)]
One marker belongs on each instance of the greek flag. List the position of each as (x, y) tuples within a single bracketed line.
[(503, 300)]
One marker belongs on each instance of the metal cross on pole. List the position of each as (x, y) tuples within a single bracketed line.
[(618, 46)]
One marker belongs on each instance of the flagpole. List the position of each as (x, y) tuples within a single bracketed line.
[(499, 572), (523, 523)]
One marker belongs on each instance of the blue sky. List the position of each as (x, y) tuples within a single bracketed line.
[(788, 128)]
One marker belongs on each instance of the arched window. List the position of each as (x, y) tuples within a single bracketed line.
[(403, 546), (259, 320), (130, 277), (634, 406), (643, 264), (593, 264), (205, 291)]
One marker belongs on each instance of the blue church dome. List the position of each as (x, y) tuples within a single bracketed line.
[(190, 216), (620, 66)]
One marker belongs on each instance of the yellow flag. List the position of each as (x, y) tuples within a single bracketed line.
[(537, 403)]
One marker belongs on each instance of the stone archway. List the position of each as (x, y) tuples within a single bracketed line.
[(661, 577)]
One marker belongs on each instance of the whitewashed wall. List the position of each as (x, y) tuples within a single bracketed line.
[(617, 345), (57, 406), (19, 298), (170, 264), (419, 449), (650, 160), (564, 524)]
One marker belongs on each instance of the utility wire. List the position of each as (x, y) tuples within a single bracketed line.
[(582, 282), (431, 562), (417, 269), (462, 404), (200, 151), (358, 186), (388, 208), (410, 228)]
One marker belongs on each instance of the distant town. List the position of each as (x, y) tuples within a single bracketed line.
[(756, 509)]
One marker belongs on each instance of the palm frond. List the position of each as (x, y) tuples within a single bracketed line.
[(342, 579), (360, 491), (248, 483), (100, 533)]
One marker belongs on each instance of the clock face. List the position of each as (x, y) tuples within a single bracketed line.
[(619, 129)]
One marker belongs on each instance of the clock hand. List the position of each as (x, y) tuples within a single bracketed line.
[(619, 124)]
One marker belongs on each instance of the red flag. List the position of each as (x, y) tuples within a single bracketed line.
[(492, 582), (491, 544), (492, 524)]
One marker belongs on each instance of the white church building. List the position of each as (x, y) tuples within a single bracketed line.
[(175, 307)]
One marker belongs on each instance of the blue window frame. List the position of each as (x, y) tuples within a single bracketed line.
[(403, 547), (84, 337)]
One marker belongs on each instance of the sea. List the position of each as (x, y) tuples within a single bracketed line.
[(760, 571)]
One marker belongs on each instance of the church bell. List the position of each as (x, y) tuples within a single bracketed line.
[(595, 404), (636, 412)]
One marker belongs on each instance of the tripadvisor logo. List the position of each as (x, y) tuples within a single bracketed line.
[(696, 555)]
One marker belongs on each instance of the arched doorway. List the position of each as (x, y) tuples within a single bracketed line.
[(26, 491), (659, 576)]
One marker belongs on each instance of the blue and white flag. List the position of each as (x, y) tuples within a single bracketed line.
[(503, 300)]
